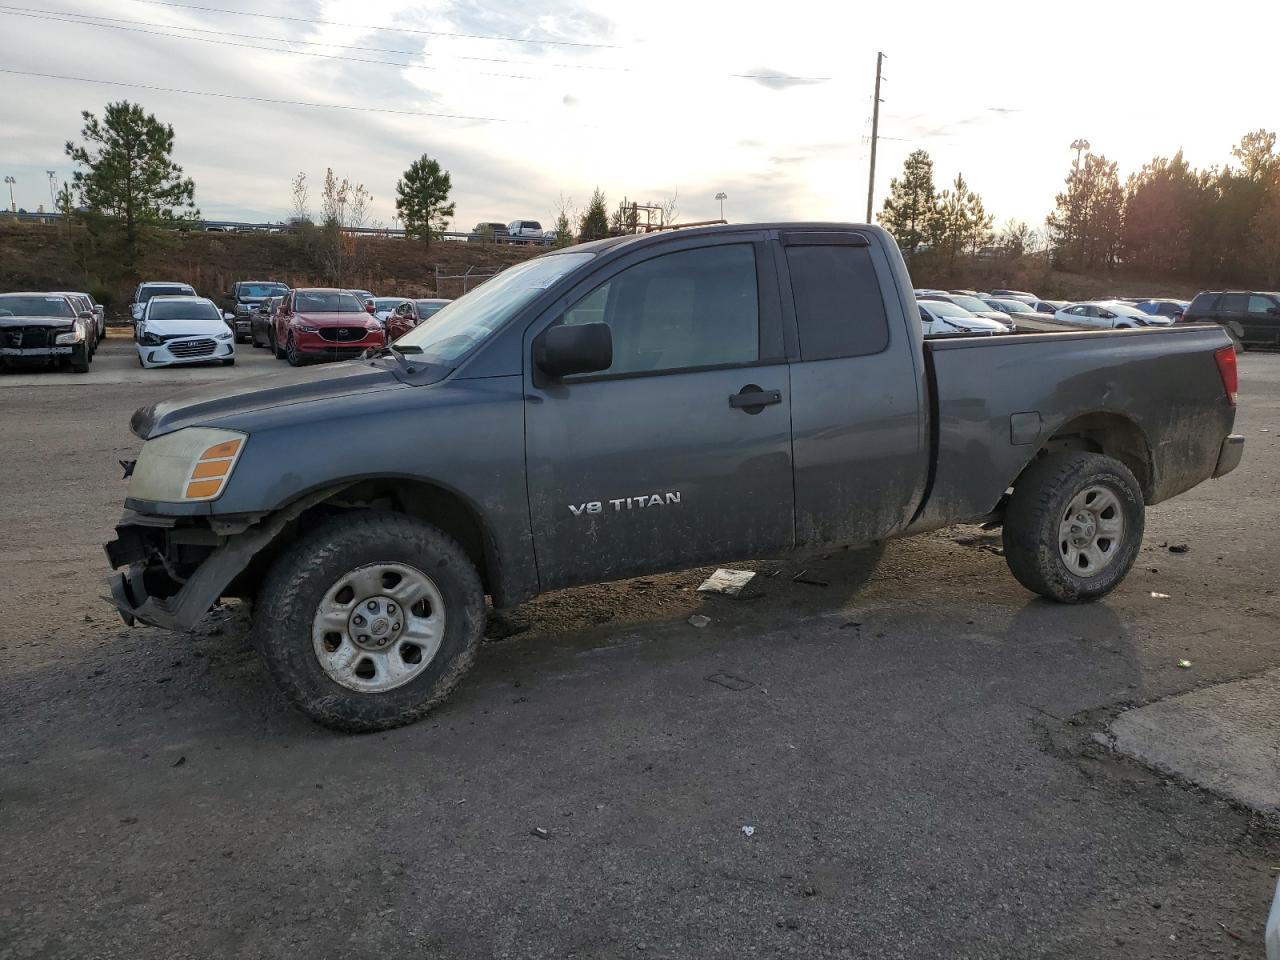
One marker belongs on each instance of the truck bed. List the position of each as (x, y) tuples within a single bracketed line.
[(995, 402)]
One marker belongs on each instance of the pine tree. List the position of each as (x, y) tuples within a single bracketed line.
[(595, 221), (422, 199), (126, 176), (910, 206)]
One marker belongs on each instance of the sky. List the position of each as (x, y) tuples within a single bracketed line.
[(547, 99)]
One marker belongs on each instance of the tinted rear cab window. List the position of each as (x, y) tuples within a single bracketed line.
[(839, 310)]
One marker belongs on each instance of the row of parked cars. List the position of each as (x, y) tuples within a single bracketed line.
[(58, 328), (174, 325), (1251, 317), (517, 231)]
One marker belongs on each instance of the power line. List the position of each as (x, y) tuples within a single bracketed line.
[(247, 46), (233, 96), (363, 26), (136, 26)]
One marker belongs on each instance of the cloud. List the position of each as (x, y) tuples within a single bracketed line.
[(569, 100), (778, 79)]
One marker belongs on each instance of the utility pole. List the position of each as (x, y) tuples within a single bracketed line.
[(13, 207), (875, 135), (722, 197), (53, 201)]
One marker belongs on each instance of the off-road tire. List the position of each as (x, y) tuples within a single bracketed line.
[(1038, 506), (297, 582)]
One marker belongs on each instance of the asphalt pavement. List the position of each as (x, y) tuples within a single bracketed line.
[(919, 748)]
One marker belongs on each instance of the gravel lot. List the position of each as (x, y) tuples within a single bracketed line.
[(913, 746)]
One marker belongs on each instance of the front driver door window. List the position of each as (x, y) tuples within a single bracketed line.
[(651, 464)]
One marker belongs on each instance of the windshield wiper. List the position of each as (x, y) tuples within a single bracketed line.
[(389, 351)]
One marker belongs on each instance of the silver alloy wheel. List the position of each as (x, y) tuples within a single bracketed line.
[(378, 627), (1091, 530)]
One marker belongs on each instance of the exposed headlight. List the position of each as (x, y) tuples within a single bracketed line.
[(149, 339), (190, 464), (72, 336), (223, 336), (308, 328)]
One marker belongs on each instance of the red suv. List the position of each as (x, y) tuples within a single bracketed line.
[(323, 324)]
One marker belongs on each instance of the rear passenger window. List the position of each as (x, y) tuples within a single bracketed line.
[(1234, 303), (1259, 304), (839, 311)]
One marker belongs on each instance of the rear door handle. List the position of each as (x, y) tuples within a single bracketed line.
[(752, 399)]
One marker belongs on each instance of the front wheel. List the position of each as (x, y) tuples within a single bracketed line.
[(370, 620), (80, 359), (291, 352), (1074, 526)]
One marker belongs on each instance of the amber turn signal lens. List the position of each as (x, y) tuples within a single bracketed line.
[(212, 469)]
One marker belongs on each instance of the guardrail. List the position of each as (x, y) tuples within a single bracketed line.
[(241, 226)]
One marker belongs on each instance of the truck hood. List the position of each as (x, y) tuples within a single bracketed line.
[(35, 321), (226, 398)]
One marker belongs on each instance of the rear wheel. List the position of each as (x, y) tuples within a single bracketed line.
[(1074, 526), (370, 620), (275, 346)]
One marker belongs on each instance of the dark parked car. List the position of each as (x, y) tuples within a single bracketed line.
[(489, 233), (261, 322), (323, 324), (243, 299), (1252, 318), (39, 329), (642, 404)]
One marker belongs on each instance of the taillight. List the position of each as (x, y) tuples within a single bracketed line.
[(1226, 358)]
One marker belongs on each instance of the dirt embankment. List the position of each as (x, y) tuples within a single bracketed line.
[(50, 257)]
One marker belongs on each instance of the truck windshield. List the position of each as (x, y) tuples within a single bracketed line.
[(146, 293), (20, 306), (471, 319), (259, 290)]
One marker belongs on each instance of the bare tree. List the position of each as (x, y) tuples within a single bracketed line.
[(301, 206), (358, 206), (670, 208)]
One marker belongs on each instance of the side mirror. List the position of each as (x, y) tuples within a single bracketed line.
[(87, 315), (229, 317), (567, 349)]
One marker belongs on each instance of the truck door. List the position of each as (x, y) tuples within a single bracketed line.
[(665, 460), (857, 391)]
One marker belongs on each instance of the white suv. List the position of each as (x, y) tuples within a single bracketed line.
[(526, 231)]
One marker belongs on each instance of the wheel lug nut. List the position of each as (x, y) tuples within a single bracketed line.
[(372, 604), (391, 608), (358, 620), (395, 626)]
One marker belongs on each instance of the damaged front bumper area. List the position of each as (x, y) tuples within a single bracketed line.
[(176, 568)]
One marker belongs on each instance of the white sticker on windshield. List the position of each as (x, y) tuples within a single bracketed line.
[(52, 299)]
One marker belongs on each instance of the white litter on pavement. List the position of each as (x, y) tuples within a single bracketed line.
[(748, 830), (1159, 596), (699, 621), (727, 582)]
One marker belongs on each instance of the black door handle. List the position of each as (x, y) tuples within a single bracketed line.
[(753, 399)]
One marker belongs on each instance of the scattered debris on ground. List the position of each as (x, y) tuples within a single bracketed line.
[(1157, 595), (748, 830), (1179, 548), (730, 682), (727, 582), (804, 577), (699, 621), (540, 832)]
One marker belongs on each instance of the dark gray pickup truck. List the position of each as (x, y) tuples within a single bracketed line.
[(637, 405)]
